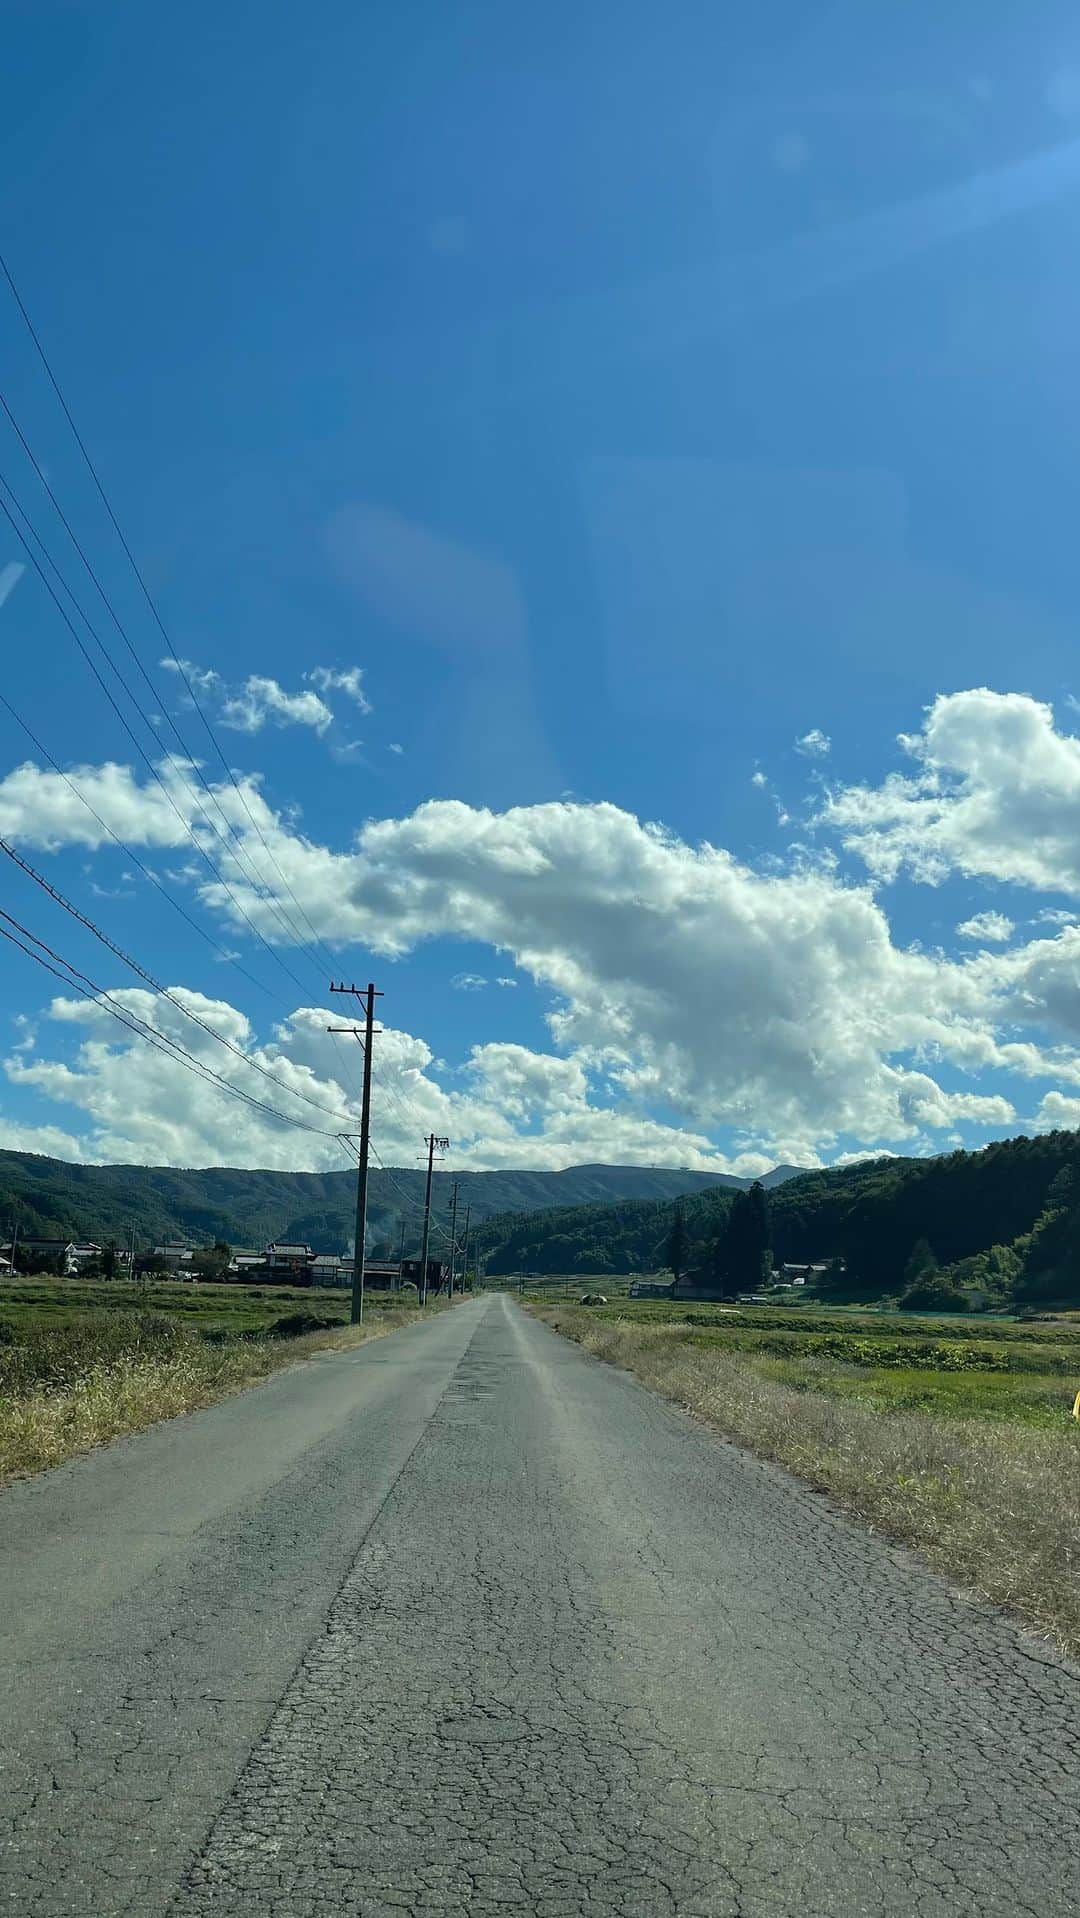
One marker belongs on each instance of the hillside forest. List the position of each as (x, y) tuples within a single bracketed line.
[(970, 1228)]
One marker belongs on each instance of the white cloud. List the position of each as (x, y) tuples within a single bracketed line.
[(178, 1120), (506, 982), (758, 778), (993, 927), (775, 1002), (394, 747), (997, 795), (344, 679), (201, 676), (468, 982), (815, 744), (47, 1139), (260, 699), (1057, 1113)]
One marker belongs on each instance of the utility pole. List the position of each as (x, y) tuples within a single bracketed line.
[(443, 1145), (131, 1254), (453, 1236), (359, 1252), (465, 1252), (401, 1252)]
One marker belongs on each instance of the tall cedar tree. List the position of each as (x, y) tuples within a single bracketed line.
[(741, 1253), (678, 1245)]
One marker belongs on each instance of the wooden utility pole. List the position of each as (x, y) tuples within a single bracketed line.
[(453, 1236), (443, 1145), (401, 1252), (359, 1251), (465, 1252)]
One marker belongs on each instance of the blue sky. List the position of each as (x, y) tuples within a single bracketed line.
[(538, 426)]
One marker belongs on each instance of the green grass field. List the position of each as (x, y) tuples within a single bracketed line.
[(211, 1308), (966, 1367)]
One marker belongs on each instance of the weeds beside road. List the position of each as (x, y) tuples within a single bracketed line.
[(992, 1501), (66, 1387)]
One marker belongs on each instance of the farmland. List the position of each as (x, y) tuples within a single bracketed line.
[(953, 1435), (82, 1363), (208, 1308)]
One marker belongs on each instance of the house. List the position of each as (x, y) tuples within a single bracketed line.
[(59, 1252), (328, 1268), (650, 1289), (248, 1265), (166, 1258), (802, 1274), (84, 1254), (702, 1283), (289, 1255), (412, 1268)]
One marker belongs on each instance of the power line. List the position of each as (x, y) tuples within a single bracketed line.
[(175, 903), (189, 756), (140, 749), (160, 1041), (147, 595), (156, 985)]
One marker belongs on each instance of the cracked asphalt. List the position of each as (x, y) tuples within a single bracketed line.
[(467, 1622)]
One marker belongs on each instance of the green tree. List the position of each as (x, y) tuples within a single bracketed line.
[(742, 1256), (212, 1261), (932, 1292), (110, 1259), (921, 1263), (678, 1245)]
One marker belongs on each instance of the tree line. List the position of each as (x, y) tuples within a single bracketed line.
[(998, 1225)]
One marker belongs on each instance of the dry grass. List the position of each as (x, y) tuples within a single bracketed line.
[(994, 1506), (57, 1402)]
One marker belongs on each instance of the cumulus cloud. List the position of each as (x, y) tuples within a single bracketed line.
[(991, 927), (775, 1002), (815, 744), (996, 794), (468, 982), (179, 1120), (1057, 1113)]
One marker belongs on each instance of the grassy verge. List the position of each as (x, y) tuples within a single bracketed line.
[(981, 1473), (67, 1388)]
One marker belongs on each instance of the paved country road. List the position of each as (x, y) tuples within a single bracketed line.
[(466, 1622)]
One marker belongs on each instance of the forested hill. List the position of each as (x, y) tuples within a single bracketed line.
[(49, 1197), (872, 1215)]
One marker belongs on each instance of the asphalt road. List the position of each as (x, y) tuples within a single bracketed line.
[(466, 1622)]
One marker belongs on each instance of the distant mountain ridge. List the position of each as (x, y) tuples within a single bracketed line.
[(47, 1197)]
